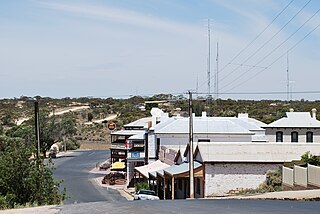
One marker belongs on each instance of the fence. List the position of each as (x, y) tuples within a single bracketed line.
[(314, 175), (301, 176), (287, 176)]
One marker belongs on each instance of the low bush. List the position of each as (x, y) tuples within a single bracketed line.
[(272, 184), (72, 144), (142, 185)]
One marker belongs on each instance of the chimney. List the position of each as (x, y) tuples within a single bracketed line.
[(291, 110), (204, 114), (243, 116), (314, 113)]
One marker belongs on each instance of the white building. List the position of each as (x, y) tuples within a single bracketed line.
[(295, 127), (174, 131), (229, 167)]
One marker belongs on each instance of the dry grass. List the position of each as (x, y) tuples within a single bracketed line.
[(94, 146)]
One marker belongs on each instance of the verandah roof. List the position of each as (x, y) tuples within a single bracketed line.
[(155, 166), (180, 169)]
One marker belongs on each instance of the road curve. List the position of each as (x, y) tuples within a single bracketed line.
[(74, 171)]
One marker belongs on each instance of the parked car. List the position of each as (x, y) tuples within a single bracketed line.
[(53, 154), (145, 195)]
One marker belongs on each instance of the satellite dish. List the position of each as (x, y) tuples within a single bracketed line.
[(156, 112)]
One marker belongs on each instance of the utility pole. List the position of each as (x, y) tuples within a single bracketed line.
[(36, 125), (191, 175), (146, 148)]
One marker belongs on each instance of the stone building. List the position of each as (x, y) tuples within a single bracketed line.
[(296, 127)]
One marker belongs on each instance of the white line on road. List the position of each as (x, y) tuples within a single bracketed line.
[(91, 153)]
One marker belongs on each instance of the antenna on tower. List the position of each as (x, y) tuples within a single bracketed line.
[(217, 72), (288, 79), (197, 85), (209, 60), (209, 70)]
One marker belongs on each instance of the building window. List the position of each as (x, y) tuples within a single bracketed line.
[(158, 148), (279, 136), (294, 136), (309, 137), (203, 140)]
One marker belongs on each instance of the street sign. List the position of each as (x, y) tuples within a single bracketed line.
[(111, 126), (135, 154)]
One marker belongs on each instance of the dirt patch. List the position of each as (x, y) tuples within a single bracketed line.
[(94, 146)]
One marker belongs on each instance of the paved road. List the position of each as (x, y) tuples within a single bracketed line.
[(195, 206), (74, 170)]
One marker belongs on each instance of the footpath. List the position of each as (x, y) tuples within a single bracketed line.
[(124, 192), (283, 195)]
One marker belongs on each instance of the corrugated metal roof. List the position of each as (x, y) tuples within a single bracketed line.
[(154, 166), (254, 152), (295, 119), (154, 174), (140, 136), (178, 169), (203, 125), (245, 123), (143, 122), (128, 132)]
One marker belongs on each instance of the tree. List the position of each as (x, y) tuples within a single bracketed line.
[(24, 180), (67, 128), (49, 132), (25, 132), (90, 117), (311, 159)]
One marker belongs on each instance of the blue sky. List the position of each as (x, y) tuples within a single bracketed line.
[(124, 47)]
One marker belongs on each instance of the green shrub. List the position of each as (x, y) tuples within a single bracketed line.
[(273, 181), (72, 144), (142, 185), (4, 204), (272, 184), (310, 159), (25, 181)]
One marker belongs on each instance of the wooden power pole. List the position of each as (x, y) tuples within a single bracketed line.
[(36, 125), (191, 175)]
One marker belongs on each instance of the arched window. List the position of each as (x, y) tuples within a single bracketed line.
[(279, 136), (309, 137), (294, 136)]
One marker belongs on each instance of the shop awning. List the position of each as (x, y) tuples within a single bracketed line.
[(154, 166), (181, 169), (118, 165)]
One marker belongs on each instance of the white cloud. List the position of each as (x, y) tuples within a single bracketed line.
[(124, 16)]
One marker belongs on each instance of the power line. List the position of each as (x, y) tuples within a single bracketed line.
[(249, 44), (244, 65), (264, 93), (264, 44), (272, 51), (295, 45)]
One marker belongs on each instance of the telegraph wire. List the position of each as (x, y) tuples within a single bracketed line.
[(295, 45), (271, 52), (249, 44), (262, 46), (263, 93), (206, 93)]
